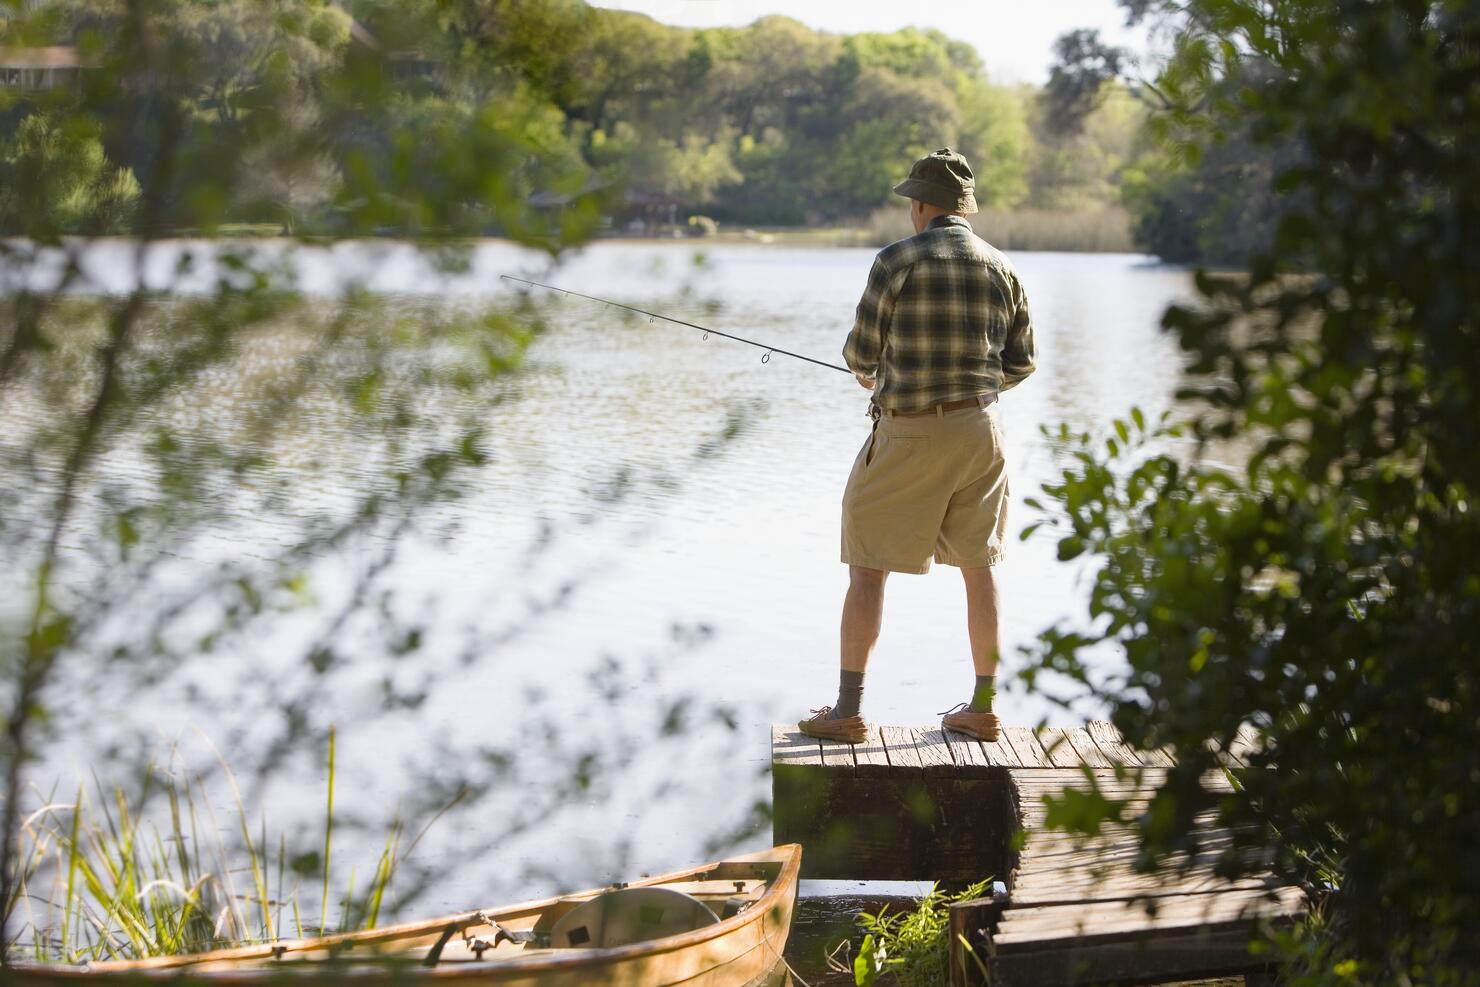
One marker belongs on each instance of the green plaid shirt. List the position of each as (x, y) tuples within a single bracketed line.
[(943, 318)]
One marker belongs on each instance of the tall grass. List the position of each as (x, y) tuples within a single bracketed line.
[(912, 945), (1101, 229), (96, 881)]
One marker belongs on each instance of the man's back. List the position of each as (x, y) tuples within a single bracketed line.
[(943, 318)]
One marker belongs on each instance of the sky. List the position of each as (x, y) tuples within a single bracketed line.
[(1014, 37)]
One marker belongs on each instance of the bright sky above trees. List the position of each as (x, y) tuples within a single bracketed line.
[(1013, 37)]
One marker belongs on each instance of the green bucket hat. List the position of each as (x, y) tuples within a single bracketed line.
[(941, 178)]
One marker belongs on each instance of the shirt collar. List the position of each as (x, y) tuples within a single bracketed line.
[(941, 222)]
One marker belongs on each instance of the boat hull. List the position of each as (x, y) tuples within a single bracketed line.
[(744, 950)]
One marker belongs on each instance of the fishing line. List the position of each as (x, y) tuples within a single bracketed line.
[(765, 358)]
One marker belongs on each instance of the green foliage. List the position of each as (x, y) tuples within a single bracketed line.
[(1080, 169), (310, 116), (55, 179), (222, 112), (1218, 205), (772, 123), (1320, 588), (913, 945)]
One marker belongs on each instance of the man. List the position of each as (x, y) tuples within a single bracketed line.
[(942, 329)]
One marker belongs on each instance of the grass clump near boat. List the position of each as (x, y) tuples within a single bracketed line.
[(912, 945), (99, 881)]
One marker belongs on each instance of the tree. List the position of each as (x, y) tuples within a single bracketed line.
[(996, 139), (55, 179), (95, 588), (1083, 64), (1323, 589), (888, 120)]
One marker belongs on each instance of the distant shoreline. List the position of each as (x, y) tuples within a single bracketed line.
[(1104, 230)]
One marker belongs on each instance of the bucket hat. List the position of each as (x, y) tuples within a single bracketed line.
[(941, 178)]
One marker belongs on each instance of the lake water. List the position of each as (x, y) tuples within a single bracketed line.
[(619, 571)]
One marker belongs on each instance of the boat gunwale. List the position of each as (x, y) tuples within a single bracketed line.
[(787, 855)]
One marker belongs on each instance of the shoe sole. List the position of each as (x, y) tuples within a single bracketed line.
[(846, 739), (974, 735)]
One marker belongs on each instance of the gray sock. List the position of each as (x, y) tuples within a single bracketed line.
[(850, 695), (982, 695)]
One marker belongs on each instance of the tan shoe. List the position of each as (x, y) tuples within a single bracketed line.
[(964, 719), (848, 729)]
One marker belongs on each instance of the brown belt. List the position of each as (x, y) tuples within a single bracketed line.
[(980, 401)]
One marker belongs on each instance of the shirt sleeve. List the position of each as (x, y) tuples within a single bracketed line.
[(865, 343), (1018, 352)]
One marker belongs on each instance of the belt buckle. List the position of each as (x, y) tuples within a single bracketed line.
[(874, 411)]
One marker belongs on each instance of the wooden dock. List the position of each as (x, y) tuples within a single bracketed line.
[(918, 803)]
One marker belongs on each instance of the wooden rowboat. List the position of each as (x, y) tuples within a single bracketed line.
[(720, 925)]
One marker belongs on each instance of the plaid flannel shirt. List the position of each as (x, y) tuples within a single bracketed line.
[(943, 318)]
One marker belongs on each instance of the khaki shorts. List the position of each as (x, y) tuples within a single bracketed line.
[(928, 485)]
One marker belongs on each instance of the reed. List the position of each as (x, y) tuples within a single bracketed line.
[(98, 881)]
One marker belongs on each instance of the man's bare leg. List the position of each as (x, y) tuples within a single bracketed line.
[(981, 619), (976, 719), (863, 616)]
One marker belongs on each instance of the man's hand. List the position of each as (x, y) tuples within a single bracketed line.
[(867, 382)]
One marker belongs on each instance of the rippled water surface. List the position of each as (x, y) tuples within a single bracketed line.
[(660, 520)]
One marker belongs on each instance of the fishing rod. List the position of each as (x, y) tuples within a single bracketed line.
[(704, 329)]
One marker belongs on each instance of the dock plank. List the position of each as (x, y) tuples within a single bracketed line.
[(1000, 753), (1088, 750), (1157, 757), (836, 755), (935, 751), (1072, 886), (869, 757), (1029, 751), (1022, 928), (1112, 744), (899, 746), (967, 752), (1061, 753), (794, 748)]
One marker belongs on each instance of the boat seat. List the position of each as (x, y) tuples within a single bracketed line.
[(628, 915)]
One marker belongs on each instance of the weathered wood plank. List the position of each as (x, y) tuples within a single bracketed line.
[(1066, 886), (1157, 757), (899, 746), (1000, 752), (869, 757), (1228, 757), (1061, 753), (1112, 744), (967, 753), (1029, 751), (1105, 779), (1113, 839), (1088, 750), (792, 747), (836, 755), (1025, 928), (935, 752)]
